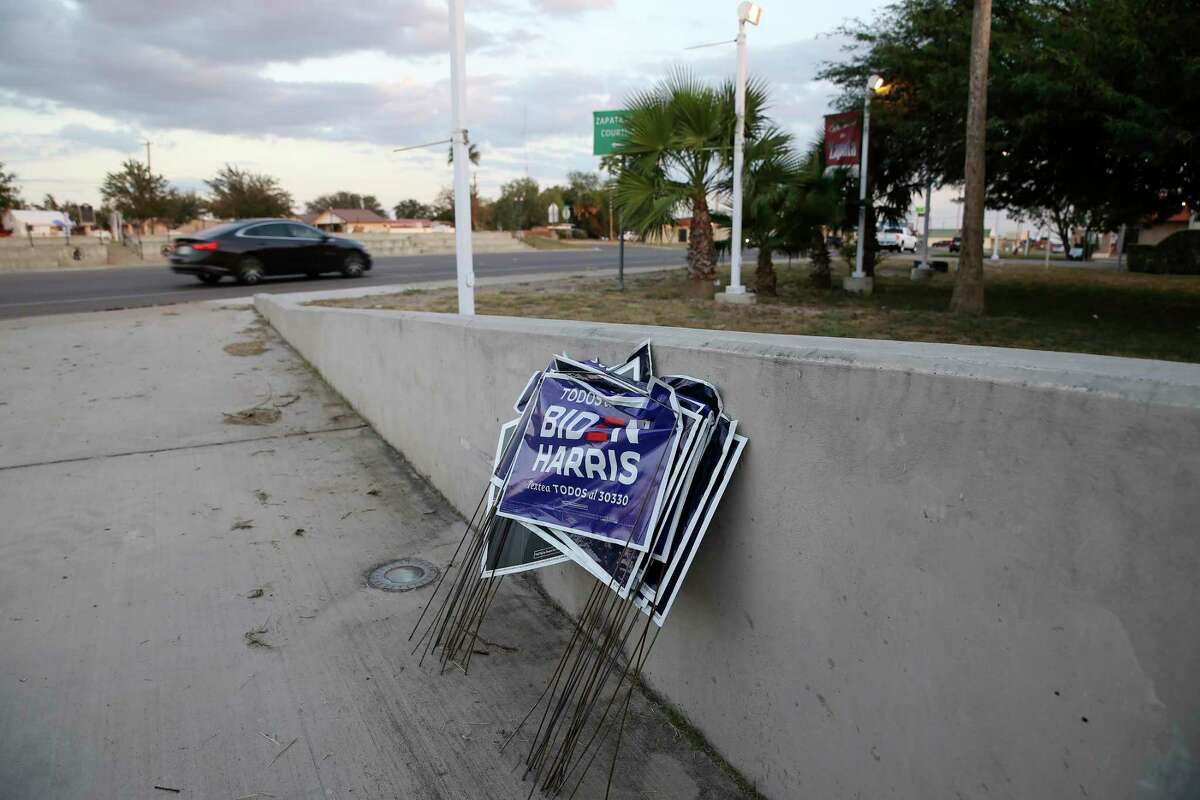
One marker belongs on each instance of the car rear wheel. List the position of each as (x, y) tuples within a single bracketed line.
[(353, 266), (209, 278), (250, 271)]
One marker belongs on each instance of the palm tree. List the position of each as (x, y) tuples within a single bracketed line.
[(678, 156), (771, 184), (472, 154), (817, 204)]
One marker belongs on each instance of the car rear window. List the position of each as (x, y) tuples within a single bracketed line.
[(268, 229), (215, 231)]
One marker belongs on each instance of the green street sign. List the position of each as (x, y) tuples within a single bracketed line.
[(608, 130)]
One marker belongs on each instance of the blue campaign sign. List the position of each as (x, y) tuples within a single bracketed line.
[(592, 460)]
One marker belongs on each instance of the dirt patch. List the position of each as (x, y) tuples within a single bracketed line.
[(252, 348), (258, 415), (259, 333)]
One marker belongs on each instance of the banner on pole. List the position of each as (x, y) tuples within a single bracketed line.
[(843, 137)]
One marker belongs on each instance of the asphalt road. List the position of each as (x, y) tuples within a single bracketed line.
[(25, 294)]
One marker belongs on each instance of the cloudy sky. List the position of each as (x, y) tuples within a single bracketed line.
[(318, 93)]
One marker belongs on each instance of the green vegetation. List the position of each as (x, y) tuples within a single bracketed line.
[(345, 200), (1092, 106), (1178, 254), (679, 154), (10, 195), (238, 194), (1061, 308)]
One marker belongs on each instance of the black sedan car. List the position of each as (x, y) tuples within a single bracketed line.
[(251, 249)]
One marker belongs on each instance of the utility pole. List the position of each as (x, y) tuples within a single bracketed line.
[(858, 281), (968, 286), (458, 144), (735, 292), (996, 236), (620, 243), (147, 143), (924, 270)]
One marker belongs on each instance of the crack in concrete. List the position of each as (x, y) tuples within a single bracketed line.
[(102, 456)]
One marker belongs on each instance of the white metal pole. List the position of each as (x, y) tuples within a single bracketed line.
[(925, 234), (739, 145), (458, 139), (996, 236), (862, 185)]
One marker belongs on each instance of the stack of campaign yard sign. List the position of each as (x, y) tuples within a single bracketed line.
[(620, 471)]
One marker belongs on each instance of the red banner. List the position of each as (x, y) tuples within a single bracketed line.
[(843, 135)]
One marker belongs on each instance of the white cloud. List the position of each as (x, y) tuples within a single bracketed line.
[(319, 94), (573, 6)]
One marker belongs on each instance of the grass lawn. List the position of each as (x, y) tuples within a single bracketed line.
[(1062, 308)]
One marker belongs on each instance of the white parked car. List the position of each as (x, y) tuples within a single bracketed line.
[(896, 238)]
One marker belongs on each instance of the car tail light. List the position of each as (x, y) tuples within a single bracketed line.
[(204, 246)]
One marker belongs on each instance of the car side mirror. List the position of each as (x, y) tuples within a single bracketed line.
[(326, 238)]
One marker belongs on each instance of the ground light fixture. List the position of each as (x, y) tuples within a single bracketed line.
[(858, 281), (735, 292)]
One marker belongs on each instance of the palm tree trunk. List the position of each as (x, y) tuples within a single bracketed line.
[(821, 276), (968, 286), (702, 251), (764, 274)]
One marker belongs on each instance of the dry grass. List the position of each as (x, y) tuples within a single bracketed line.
[(1068, 309)]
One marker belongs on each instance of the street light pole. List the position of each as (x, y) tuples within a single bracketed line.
[(925, 232), (458, 144), (858, 281), (735, 291)]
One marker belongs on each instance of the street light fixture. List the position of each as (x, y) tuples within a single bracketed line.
[(735, 292), (749, 12), (859, 282)]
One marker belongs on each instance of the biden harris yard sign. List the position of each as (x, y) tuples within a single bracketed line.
[(591, 460)]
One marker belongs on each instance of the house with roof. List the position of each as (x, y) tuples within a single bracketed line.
[(348, 220), (29, 222), (1154, 231)]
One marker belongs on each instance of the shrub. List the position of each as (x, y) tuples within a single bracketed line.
[(1178, 254)]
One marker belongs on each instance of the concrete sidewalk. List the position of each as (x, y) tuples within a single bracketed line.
[(146, 534)]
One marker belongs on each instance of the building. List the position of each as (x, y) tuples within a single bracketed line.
[(348, 220), (26, 222), (682, 229), (1155, 231)]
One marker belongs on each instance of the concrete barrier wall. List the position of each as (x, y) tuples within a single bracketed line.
[(17, 254), (941, 571), (50, 253)]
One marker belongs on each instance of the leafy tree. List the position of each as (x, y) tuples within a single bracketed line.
[(182, 207), (678, 156), (443, 205), (413, 209), (10, 195), (519, 205), (238, 194), (590, 199), (1093, 105), (345, 200), (137, 193)]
